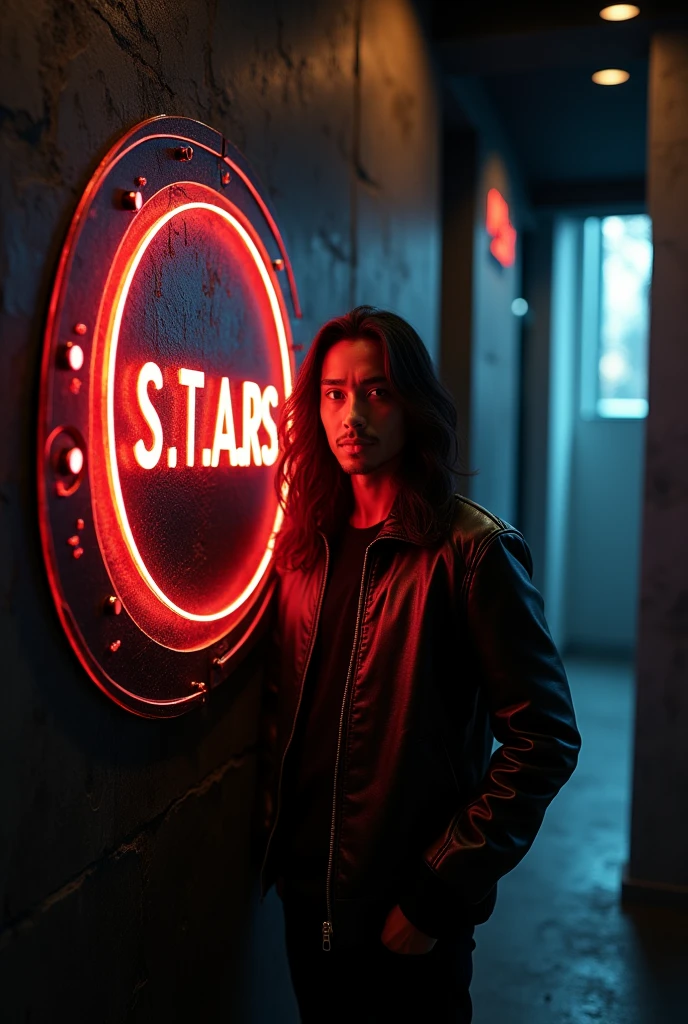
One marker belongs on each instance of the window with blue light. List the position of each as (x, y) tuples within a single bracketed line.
[(615, 316)]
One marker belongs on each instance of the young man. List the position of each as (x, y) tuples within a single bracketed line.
[(406, 634)]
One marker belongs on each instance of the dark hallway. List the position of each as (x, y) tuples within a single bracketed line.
[(189, 190)]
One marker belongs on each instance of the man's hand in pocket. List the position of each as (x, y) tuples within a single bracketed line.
[(400, 936)]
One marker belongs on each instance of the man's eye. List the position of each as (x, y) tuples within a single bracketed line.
[(335, 392)]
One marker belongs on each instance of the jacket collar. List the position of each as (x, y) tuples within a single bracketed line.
[(392, 526)]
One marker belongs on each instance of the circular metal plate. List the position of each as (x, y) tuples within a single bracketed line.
[(166, 362)]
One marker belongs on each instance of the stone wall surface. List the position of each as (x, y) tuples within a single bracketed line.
[(660, 769), (127, 888)]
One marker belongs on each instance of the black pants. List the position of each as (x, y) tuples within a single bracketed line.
[(369, 984)]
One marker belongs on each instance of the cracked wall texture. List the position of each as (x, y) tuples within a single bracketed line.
[(127, 890)]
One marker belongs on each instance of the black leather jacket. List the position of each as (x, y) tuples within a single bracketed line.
[(451, 648)]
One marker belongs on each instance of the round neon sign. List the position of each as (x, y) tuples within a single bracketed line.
[(177, 293)]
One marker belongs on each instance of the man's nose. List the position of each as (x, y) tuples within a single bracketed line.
[(354, 414)]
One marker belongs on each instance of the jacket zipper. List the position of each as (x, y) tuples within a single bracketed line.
[(296, 715), (327, 928)]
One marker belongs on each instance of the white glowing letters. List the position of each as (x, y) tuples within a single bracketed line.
[(256, 405)]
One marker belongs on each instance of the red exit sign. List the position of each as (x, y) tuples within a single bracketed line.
[(500, 229)]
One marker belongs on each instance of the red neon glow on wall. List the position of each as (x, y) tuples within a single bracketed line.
[(500, 229)]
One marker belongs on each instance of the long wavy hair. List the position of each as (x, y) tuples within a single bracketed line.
[(320, 495)]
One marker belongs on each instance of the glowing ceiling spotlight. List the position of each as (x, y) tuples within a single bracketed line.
[(610, 76), (619, 12)]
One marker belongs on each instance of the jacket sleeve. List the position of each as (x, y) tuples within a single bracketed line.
[(532, 717)]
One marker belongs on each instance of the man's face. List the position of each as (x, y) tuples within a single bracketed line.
[(356, 401)]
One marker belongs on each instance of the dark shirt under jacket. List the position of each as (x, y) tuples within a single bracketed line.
[(306, 814)]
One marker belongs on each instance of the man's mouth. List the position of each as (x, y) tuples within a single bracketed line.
[(355, 445)]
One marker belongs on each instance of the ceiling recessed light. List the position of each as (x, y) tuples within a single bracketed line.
[(610, 76), (619, 12)]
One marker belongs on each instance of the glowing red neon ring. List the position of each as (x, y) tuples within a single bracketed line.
[(113, 471)]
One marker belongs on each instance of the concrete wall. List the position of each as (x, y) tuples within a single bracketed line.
[(658, 866), (537, 355), (564, 334), (459, 200), (604, 535), (494, 364), (127, 892)]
